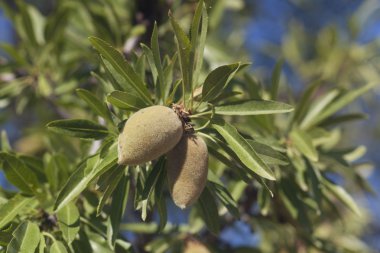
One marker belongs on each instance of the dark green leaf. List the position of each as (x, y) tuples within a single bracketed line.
[(157, 60), (243, 150), (225, 197), (253, 107), (268, 154), (116, 59), (81, 128), (184, 49), (68, 221), (119, 203), (26, 238), (209, 210), (218, 79), (160, 200), (125, 101), (95, 104)]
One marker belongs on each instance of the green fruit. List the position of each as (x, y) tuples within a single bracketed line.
[(187, 166), (148, 134)]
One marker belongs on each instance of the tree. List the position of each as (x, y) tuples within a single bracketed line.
[(272, 165)]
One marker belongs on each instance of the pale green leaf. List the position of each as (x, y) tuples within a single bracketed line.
[(26, 238), (12, 208), (57, 247), (68, 221), (125, 101), (304, 144), (253, 107)]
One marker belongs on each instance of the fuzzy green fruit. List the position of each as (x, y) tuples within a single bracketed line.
[(148, 134), (187, 166)]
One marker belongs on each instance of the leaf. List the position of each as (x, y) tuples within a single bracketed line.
[(157, 61), (118, 205), (225, 197), (68, 222), (317, 107), (184, 49), (109, 186), (57, 247), (42, 245), (263, 199), (160, 200), (25, 238), (12, 208), (253, 107), (153, 68), (125, 101), (342, 195), (56, 171), (218, 79), (116, 59), (340, 103), (85, 173), (198, 41), (268, 154), (243, 150), (304, 144), (19, 174), (95, 104), (150, 184), (80, 128), (276, 79), (346, 118), (209, 210)]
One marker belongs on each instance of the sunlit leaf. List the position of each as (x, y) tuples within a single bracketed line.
[(253, 107), (304, 144), (125, 101), (68, 221), (13, 207), (26, 238), (95, 104)]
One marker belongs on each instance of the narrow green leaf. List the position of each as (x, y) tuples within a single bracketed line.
[(340, 103), (263, 201), (243, 150), (304, 144), (153, 68), (125, 101), (19, 174), (342, 195), (268, 154), (109, 185), (184, 49), (85, 173), (12, 208), (304, 103), (150, 184), (57, 247), (68, 221), (116, 59), (157, 60), (346, 118), (276, 79), (95, 104), (317, 107), (80, 128), (253, 107), (225, 197), (160, 200), (209, 210), (218, 79), (26, 238), (119, 203)]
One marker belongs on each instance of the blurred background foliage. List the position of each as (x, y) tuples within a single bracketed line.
[(335, 42)]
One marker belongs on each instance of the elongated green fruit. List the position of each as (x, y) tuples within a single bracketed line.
[(148, 134), (187, 166)]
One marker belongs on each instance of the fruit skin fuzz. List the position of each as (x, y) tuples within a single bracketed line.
[(187, 167), (148, 134)]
